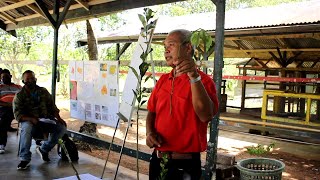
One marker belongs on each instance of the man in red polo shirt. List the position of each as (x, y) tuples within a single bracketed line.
[(7, 92), (179, 109)]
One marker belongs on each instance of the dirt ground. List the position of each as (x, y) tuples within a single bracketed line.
[(296, 168)]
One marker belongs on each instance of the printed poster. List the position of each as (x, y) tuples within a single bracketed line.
[(79, 70), (72, 70), (94, 92)]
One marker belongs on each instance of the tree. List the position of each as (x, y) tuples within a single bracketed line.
[(202, 6), (237, 4), (21, 47), (186, 7)]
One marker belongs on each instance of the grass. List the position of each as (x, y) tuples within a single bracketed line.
[(260, 149)]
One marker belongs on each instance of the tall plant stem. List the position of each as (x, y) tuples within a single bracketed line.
[(69, 159), (137, 152)]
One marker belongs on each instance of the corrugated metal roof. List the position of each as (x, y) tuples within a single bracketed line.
[(256, 33), (280, 15)]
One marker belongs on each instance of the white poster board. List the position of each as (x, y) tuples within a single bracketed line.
[(94, 91), (128, 99)]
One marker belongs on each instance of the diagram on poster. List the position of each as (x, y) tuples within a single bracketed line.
[(94, 92)]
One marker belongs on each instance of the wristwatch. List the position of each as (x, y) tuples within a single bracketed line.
[(195, 80)]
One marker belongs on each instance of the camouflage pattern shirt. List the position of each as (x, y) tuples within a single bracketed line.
[(36, 103)]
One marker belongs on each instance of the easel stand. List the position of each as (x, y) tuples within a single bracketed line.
[(123, 144)]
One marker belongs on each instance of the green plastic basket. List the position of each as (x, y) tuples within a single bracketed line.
[(260, 168)]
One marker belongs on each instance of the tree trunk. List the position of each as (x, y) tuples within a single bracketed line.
[(87, 127), (92, 43)]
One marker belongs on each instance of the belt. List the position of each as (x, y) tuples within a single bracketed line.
[(175, 155)]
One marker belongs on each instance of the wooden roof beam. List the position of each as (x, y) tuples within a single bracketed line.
[(78, 13), (231, 47), (281, 57), (260, 63), (84, 4), (315, 70), (293, 58), (274, 43), (30, 6), (36, 10), (275, 50), (314, 64), (16, 5), (72, 7), (8, 18), (278, 60), (241, 47), (280, 36), (3, 27), (44, 10)]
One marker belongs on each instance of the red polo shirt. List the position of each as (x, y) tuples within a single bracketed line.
[(181, 130)]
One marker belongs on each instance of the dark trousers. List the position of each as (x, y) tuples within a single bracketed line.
[(6, 117), (178, 169)]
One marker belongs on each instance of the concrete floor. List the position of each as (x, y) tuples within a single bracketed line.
[(40, 170)]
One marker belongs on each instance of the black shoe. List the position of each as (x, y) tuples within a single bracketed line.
[(44, 155), (11, 129), (23, 165)]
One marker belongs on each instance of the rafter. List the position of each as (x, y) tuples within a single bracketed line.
[(293, 58), (45, 11), (72, 7), (64, 12), (280, 55), (97, 8), (275, 50), (276, 59), (273, 43), (8, 17), (84, 4), (260, 63), (277, 36), (16, 5), (36, 10)]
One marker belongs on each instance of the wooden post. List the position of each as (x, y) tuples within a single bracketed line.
[(211, 159), (318, 103), (243, 91), (302, 103), (279, 102)]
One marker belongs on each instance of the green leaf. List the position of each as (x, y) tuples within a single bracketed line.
[(149, 14), (209, 43), (149, 50), (142, 20), (143, 68), (134, 72), (149, 27), (143, 56), (144, 101), (60, 141), (138, 98), (148, 77), (195, 39), (135, 93)]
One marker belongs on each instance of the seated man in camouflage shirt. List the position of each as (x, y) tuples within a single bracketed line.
[(30, 105)]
